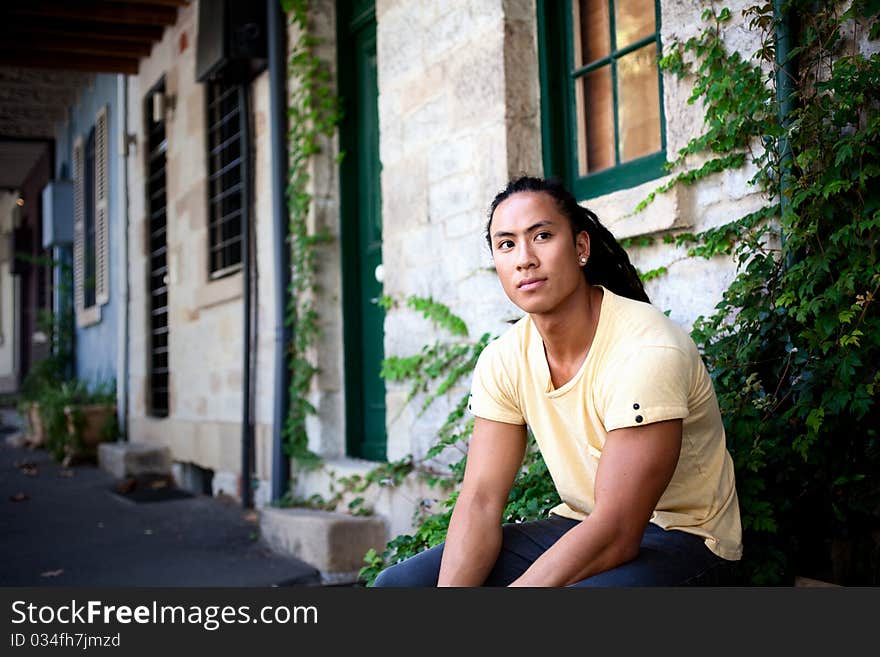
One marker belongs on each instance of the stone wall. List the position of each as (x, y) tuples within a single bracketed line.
[(691, 287), (458, 115), (205, 316), (459, 101), (458, 108)]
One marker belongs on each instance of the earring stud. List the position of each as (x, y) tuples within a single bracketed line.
[(583, 260)]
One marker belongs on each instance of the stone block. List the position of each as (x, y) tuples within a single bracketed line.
[(616, 210), (332, 542), (452, 196), (133, 459)]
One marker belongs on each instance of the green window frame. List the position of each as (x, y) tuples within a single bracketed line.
[(559, 75)]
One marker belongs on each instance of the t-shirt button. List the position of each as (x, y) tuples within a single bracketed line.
[(635, 407), (639, 418)]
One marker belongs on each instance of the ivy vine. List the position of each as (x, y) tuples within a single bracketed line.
[(313, 112), (793, 345)]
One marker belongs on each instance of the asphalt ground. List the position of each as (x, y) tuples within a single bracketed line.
[(72, 527)]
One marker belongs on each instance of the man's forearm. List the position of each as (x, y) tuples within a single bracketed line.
[(472, 545), (587, 549)]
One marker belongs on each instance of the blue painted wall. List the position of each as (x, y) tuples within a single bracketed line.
[(96, 346)]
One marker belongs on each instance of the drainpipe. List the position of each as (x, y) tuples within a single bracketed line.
[(784, 91), (122, 355), (247, 426), (277, 33)]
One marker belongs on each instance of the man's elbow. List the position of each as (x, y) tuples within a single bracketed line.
[(624, 546), (625, 549), (480, 502)]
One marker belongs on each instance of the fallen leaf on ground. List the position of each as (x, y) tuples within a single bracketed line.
[(65, 472), (159, 483), (126, 486), (22, 465), (18, 497), (52, 573), (29, 470), (251, 516)]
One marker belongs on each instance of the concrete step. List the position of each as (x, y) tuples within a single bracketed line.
[(133, 459), (332, 542)]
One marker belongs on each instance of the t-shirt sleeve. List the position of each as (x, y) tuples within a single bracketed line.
[(651, 385), (493, 396)]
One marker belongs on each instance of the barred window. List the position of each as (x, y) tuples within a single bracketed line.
[(225, 182), (158, 402)]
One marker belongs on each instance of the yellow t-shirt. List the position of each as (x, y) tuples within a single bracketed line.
[(641, 368)]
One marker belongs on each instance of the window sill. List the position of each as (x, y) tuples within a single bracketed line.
[(219, 291), (88, 316), (616, 210)]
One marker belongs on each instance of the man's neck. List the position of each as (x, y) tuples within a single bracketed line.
[(568, 331)]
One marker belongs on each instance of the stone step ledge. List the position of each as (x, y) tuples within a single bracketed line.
[(332, 542), (133, 459)]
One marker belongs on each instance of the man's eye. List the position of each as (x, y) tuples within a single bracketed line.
[(543, 235), (505, 244)]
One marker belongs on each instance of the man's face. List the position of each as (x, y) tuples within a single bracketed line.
[(535, 256)]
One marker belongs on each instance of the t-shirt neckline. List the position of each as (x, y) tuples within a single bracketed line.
[(541, 357)]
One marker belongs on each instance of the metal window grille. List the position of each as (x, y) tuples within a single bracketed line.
[(225, 185), (89, 269), (158, 262)]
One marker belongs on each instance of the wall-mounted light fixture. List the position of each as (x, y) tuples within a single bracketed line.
[(163, 103), (19, 202), (128, 142)]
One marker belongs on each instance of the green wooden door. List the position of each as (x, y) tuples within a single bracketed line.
[(362, 232)]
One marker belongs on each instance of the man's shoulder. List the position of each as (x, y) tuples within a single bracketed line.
[(512, 342), (642, 325)]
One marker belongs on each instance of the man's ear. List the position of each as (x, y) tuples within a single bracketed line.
[(582, 243)]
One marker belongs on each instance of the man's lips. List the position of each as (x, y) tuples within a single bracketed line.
[(531, 283)]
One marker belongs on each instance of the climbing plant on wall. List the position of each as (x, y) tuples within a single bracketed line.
[(313, 112), (794, 344)]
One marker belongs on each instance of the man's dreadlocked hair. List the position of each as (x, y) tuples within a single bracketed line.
[(609, 264)]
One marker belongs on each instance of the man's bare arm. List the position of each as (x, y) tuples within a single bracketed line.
[(473, 541), (636, 466)]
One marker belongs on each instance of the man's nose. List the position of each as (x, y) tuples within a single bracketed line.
[(525, 256)]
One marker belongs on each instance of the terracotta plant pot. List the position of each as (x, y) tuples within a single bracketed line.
[(36, 433), (95, 419)]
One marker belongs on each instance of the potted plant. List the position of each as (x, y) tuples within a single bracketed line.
[(46, 376), (90, 419)]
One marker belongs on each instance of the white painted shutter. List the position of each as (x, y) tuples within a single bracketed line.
[(78, 223), (102, 193)]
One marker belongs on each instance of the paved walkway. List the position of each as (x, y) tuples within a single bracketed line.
[(67, 527)]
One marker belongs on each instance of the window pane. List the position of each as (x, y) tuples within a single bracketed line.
[(595, 121), (638, 97), (592, 31), (633, 20)]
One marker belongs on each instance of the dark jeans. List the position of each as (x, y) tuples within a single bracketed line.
[(666, 558)]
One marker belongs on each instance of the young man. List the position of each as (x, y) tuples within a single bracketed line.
[(621, 407)]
